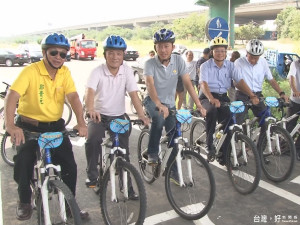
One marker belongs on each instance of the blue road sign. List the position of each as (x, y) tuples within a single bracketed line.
[(217, 27)]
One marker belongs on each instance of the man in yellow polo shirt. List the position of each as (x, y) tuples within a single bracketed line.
[(41, 89)]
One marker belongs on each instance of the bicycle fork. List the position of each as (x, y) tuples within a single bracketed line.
[(178, 162), (113, 171), (233, 148), (277, 144)]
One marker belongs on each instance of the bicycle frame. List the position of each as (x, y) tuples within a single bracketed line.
[(266, 116), (285, 120)]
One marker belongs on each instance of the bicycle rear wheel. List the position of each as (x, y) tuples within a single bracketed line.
[(279, 164), (244, 176), (67, 113), (196, 197), (125, 210), (63, 208), (147, 171), (8, 150), (198, 136)]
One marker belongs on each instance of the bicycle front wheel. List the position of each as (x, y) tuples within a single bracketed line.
[(277, 164), (198, 136), (67, 113), (194, 199), (129, 208), (63, 208), (246, 172), (8, 150)]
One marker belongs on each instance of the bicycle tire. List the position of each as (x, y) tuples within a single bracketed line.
[(195, 199), (2, 126), (276, 166), (67, 113), (246, 176), (71, 210), (198, 134), (131, 211), (147, 170), (8, 150)]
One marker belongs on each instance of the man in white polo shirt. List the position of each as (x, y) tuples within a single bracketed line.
[(105, 100), (294, 79)]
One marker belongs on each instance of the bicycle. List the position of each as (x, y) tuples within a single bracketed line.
[(275, 146), (284, 120), (118, 179), (8, 150), (241, 159), (51, 197), (194, 195), (141, 95)]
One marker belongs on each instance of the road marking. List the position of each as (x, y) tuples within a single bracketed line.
[(296, 180), (269, 187), (168, 215), (1, 215)]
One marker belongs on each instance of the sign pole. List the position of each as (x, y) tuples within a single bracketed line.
[(229, 17)]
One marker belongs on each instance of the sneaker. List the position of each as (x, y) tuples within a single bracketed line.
[(152, 159), (91, 184), (174, 178)]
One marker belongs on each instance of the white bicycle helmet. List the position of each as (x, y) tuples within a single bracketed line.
[(255, 47)]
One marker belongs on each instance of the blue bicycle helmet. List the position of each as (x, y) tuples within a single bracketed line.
[(55, 39), (164, 35), (114, 42)]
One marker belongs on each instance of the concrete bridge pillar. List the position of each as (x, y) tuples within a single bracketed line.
[(226, 10)]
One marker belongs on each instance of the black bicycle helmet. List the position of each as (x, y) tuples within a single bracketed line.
[(55, 39), (164, 35)]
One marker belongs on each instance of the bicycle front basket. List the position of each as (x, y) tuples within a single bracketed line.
[(50, 139), (184, 116), (271, 101), (119, 126), (237, 107)]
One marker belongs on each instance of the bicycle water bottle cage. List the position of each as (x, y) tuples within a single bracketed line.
[(237, 107), (119, 126), (50, 139), (271, 101), (184, 116)]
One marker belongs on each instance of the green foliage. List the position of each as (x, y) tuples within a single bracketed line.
[(192, 27), (288, 23), (249, 31)]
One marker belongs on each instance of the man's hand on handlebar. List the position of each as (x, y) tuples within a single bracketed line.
[(95, 116), (163, 110), (254, 99)]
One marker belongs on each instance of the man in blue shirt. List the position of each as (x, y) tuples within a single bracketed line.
[(215, 80)]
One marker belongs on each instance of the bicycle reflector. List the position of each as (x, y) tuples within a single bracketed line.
[(271, 101), (50, 140), (237, 107), (184, 116), (119, 126)]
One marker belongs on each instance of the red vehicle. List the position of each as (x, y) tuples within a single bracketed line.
[(82, 48)]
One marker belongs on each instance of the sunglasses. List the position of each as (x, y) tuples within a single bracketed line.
[(61, 54)]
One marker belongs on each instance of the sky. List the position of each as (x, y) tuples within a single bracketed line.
[(27, 16)]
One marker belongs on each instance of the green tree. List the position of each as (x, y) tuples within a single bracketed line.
[(192, 27), (249, 31), (284, 20)]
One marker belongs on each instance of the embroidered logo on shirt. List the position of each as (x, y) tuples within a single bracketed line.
[(174, 71)]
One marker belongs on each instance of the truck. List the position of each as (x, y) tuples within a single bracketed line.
[(280, 61), (83, 48)]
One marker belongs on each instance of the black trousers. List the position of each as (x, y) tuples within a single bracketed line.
[(214, 114), (26, 156), (291, 110)]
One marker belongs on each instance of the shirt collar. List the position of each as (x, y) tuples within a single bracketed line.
[(108, 73), (44, 71)]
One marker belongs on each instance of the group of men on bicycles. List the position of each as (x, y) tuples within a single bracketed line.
[(42, 87)]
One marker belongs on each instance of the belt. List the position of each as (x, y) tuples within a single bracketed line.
[(34, 122), (257, 93), (218, 94)]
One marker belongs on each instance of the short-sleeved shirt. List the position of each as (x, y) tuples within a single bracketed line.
[(217, 78), (295, 72), (110, 90), (42, 98), (191, 69), (253, 75), (165, 77)]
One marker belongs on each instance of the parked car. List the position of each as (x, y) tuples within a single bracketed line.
[(138, 69), (34, 52), (68, 58), (131, 53), (12, 57)]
